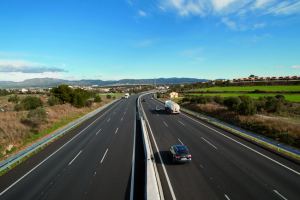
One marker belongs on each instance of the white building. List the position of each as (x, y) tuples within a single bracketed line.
[(173, 95)]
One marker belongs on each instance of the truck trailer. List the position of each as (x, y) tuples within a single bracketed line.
[(172, 107)]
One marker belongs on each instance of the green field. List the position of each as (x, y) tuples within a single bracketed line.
[(276, 88), (117, 95), (288, 97)]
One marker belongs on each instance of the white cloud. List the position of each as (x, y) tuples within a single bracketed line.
[(22, 66), (296, 67), (185, 7), (229, 23), (230, 7), (142, 13), (221, 4), (285, 8)]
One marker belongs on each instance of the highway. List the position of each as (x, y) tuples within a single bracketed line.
[(223, 166), (91, 162)]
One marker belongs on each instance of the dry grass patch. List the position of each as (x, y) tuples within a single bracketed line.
[(14, 132)]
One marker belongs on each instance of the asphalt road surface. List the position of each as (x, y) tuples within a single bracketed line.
[(223, 166), (92, 162)]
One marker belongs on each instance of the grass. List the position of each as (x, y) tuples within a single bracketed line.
[(288, 97), (275, 88), (55, 126), (117, 95)]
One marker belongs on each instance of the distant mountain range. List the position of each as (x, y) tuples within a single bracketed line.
[(50, 82)]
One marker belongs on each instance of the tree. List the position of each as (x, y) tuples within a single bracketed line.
[(31, 102), (232, 103), (14, 98), (63, 92), (77, 100), (247, 106), (36, 117), (97, 98), (52, 101)]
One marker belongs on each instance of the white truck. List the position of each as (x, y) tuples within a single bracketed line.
[(126, 96), (172, 107)]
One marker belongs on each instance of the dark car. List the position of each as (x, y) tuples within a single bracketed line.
[(180, 153)]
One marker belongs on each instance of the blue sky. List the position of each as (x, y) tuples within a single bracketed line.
[(115, 39)]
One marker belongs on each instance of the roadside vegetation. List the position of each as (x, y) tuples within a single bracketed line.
[(272, 111), (26, 118)]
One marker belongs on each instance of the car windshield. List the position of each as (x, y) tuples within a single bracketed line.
[(182, 150)]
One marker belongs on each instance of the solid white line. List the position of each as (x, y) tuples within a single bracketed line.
[(263, 155), (98, 131), (104, 156), (180, 141), (9, 187), (227, 197), (160, 158), (283, 197), (108, 119), (165, 124), (181, 123), (133, 160), (116, 130), (208, 142), (74, 158)]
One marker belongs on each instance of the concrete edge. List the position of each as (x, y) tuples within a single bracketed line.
[(153, 184), (14, 159), (276, 149)]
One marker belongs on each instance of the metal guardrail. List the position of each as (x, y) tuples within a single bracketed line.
[(152, 177), (6, 164)]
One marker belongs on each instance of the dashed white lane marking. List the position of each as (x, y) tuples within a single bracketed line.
[(75, 158), (122, 119), (180, 141), (249, 148), (99, 131), (166, 124), (181, 123), (116, 130), (108, 119), (280, 195), (95, 173), (104, 156), (208, 142), (226, 196)]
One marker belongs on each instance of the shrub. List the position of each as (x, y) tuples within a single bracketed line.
[(247, 106), (14, 99), (63, 92), (232, 103), (35, 117), (52, 101), (78, 100), (31, 102), (218, 99), (88, 103), (108, 96), (274, 104), (97, 98), (18, 107)]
